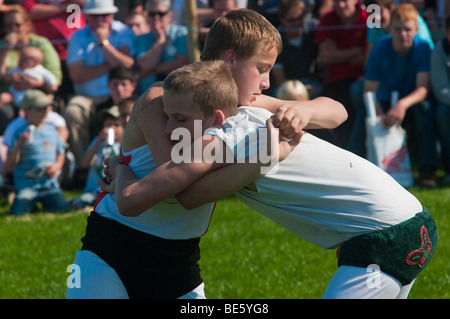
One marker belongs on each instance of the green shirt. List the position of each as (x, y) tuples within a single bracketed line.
[(51, 58)]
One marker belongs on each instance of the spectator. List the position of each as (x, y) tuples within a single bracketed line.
[(401, 62), (375, 34), (440, 83), (220, 8), (321, 7), (19, 34), (138, 22), (162, 50), (36, 158), (52, 118), (93, 52), (125, 107), (434, 13), (106, 144), (298, 60), (341, 37), (51, 20), (127, 7), (293, 90), (121, 85), (29, 66), (204, 12)]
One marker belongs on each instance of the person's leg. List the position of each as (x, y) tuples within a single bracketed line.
[(24, 202), (443, 127), (351, 282), (95, 279), (425, 133), (54, 201), (77, 115)]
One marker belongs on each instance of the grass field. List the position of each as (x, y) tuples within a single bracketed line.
[(244, 255)]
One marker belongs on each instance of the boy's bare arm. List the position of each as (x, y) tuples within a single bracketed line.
[(134, 196), (151, 120), (235, 176), (292, 116)]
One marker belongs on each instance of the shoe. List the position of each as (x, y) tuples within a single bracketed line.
[(427, 177)]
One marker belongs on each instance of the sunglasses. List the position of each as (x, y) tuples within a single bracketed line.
[(156, 13)]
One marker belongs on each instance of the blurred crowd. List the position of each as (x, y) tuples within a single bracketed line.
[(76, 68)]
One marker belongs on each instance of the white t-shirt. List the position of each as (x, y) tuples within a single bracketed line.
[(38, 72), (320, 192), (167, 219)]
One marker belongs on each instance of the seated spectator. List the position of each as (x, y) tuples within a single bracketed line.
[(401, 62), (104, 44), (138, 22), (375, 34), (125, 107), (106, 144), (127, 7), (53, 118), (19, 34), (440, 83), (30, 68), (55, 21), (293, 90), (220, 8), (162, 50), (298, 60), (204, 12), (36, 158), (341, 38)]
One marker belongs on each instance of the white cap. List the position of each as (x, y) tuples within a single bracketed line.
[(99, 7)]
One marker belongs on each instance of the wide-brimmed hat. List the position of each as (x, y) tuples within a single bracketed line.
[(35, 99), (99, 7)]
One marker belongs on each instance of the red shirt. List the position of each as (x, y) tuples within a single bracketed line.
[(54, 28), (345, 36)]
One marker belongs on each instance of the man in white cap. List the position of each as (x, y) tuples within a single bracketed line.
[(93, 51)]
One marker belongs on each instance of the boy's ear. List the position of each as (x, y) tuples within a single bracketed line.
[(229, 57), (219, 118)]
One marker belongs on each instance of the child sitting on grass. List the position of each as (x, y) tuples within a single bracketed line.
[(36, 157)]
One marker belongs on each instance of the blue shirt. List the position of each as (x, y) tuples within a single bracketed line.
[(83, 46), (394, 72), (376, 34), (176, 44), (36, 156)]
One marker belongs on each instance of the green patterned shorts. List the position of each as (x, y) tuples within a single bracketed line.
[(402, 250)]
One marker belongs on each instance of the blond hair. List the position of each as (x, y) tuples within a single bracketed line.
[(243, 30), (405, 12), (293, 90), (208, 85)]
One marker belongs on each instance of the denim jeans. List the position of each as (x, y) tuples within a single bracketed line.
[(52, 200), (443, 129)]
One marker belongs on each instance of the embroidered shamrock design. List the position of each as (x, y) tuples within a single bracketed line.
[(420, 256)]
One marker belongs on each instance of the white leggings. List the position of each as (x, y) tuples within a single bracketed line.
[(364, 283), (97, 280)]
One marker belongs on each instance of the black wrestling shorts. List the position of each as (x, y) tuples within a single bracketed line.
[(149, 266)]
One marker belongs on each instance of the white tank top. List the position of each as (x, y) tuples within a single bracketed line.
[(167, 219), (320, 192)]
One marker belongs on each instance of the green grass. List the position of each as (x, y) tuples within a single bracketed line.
[(244, 255)]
